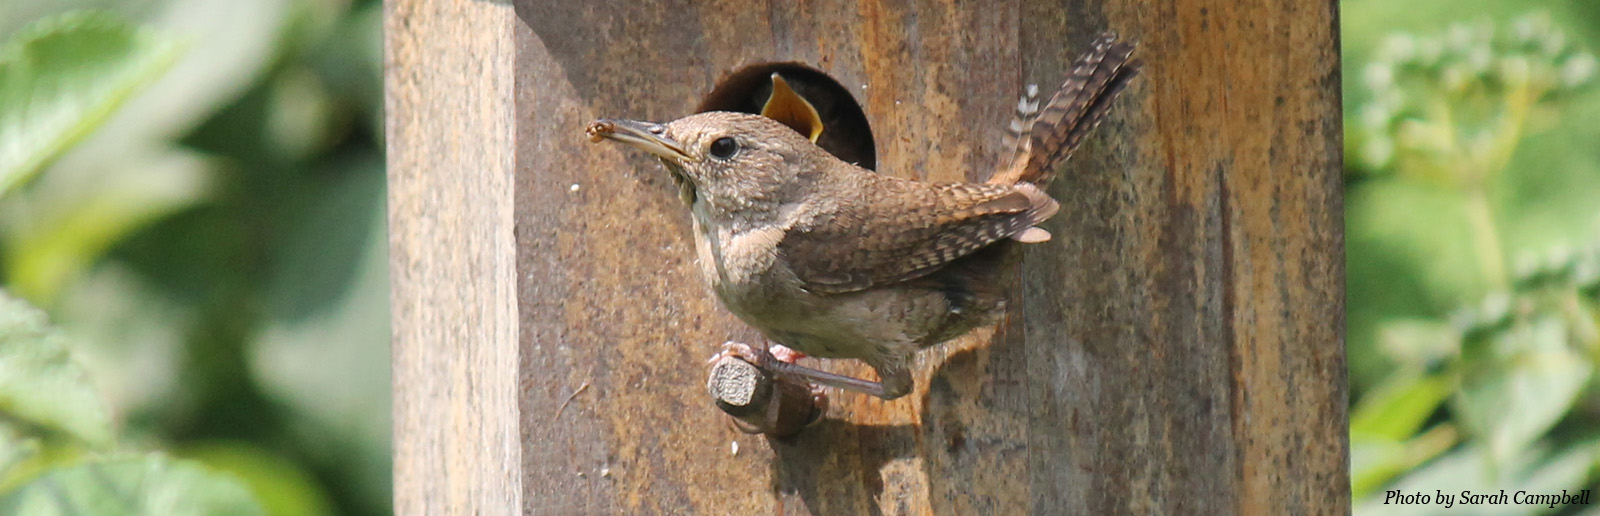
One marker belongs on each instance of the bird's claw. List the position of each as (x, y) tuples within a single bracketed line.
[(792, 403), (785, 353), (755, 356)]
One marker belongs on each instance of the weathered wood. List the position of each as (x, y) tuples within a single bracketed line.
[(1200, 299), (1176, 349), (450, 118)]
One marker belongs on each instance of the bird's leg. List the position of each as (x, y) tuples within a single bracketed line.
[(899, 380)]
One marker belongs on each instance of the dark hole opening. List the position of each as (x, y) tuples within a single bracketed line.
[(845, 132)]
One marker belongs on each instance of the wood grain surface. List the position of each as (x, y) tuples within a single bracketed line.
[(451, 116), (1176, 349)]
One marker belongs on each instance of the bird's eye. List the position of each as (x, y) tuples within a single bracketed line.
[(724, 148)]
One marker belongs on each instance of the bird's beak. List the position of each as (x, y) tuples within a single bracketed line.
[(646, 136)]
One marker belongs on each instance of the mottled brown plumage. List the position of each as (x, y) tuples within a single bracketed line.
[(837, 261), (891, 230)]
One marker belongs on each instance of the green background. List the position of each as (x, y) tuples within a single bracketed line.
[(203, 227)]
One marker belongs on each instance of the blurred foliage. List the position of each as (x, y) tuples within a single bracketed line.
[(48, 107), (48, 405), (42, 389), (1473, 249), (133, 486), (192, 190)]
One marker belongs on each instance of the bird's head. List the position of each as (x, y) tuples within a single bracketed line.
[(725, 158)]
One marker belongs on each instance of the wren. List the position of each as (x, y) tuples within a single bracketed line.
[(836, 261)]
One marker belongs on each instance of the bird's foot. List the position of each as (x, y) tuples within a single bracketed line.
[(770, 364), (785, 353), (745, 387), (758, 357)]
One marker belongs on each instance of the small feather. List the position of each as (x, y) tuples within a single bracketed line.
[(1032, 235)]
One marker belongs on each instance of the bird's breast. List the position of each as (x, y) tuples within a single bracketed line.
[(742, 267)]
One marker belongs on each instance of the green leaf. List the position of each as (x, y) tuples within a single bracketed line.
[(1396, 408), (133, 486), (282, 486), (1523, 385), (14, 448), (63, 76), (40, 384), (64, 223), (1374, 460)]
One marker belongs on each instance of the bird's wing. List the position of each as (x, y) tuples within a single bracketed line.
[(907, 230)]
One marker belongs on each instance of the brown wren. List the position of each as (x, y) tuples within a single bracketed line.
[(836, 261)]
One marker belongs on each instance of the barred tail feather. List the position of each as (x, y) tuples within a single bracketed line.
[(1015, 141), (1050, 137)]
